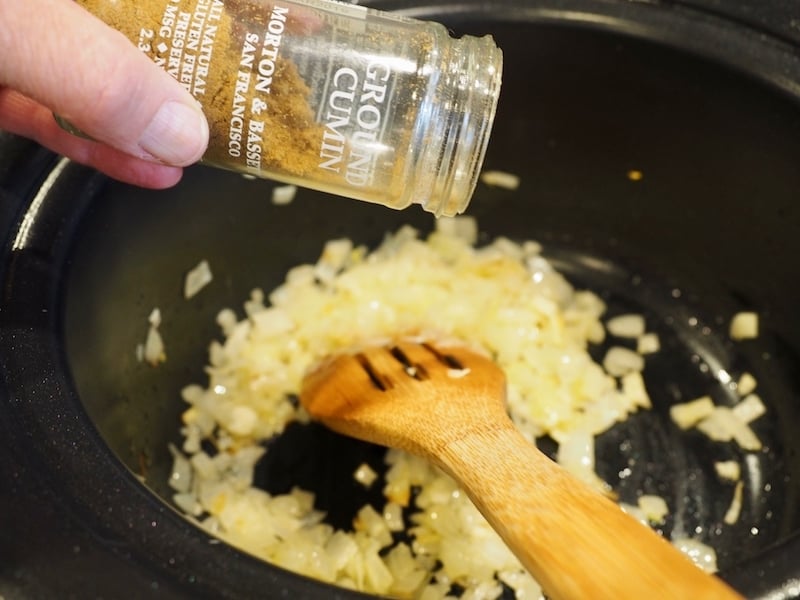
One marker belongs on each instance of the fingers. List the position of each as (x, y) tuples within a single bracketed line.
[(70, 62), (23, 116)]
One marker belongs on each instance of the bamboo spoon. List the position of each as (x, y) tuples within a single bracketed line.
[(448, 406)]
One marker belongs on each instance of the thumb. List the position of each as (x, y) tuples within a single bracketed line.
[(96, 79)]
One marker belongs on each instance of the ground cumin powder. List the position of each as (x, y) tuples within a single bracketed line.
[(289, 141)]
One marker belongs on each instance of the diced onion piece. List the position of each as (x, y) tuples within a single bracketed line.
[(340, 549), (699, 553), (155, 317), (378, 577), (283, 194), (272, 322), (746, 384), (687, 414), (154, 351), (746, 438), (735, 508), (462, 228), (749, 409), (188, 503), (393, 515), (203, 466), (242, 420), (654, 508), (227, 320), (576, 455), (407, 573), (457, 373), (522, 583), (365, 475), (180, 478), (300, 275), (398, 491), (633, 387), (649, 343), (336, 252), (722, 425), (500, 179), (626, 326), (370, 521), (620, 361), (728, 469), (744, 325), (635, 512), (196, 279), (436, 590), (333, 258)]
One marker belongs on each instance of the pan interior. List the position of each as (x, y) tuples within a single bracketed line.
[(711, 228)]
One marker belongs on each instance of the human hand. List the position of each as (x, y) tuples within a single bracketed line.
[(57, 58)]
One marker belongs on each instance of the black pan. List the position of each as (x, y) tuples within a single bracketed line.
[(707, 110)]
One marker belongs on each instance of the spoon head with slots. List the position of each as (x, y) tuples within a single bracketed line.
[(409, 395)]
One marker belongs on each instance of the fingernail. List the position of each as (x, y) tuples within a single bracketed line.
[(177, 135)]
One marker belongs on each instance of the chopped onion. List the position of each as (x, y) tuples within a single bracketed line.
[(635, 512), (187, 502), (242, 420), (501, 179), (722, 425), (735, 508), (728, 469), (524, 585), (746, 384), (365, 475), (373, 523), (633, 387), (688, 414), (272, 322), (699, 553), (620, 361), (654, 508), (407, 573), (155, 317), (648, 343), (333, 259), (462, 229), (154, 351), (576, 454), (507, 300), (749, 409), (180, 479), (283, 194), (196, 279), (626, 326), (393, 515), (457, 373), (744, 325)]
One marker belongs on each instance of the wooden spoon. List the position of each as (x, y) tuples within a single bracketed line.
[(447, 405)]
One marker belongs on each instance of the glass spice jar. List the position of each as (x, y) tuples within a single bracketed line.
[(328, 95)]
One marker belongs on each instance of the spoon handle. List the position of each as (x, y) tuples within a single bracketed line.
[(574, 541)]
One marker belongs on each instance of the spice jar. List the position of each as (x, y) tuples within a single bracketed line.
[(327, 95)]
